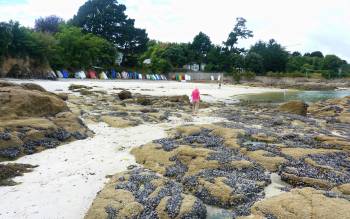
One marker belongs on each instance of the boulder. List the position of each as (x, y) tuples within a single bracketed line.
[(303, 203), (123, 95), (32, 86), (15, 101), (294, 107)]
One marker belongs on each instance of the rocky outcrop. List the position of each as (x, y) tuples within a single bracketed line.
[(333, 109), (204, 160), (16, 101), (303, 203), (143, 194), (294, 107), (24, 68), (33, 120)]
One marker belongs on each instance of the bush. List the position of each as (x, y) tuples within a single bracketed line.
[(295, 74), (236, 76), (274, 74), (249, 75)]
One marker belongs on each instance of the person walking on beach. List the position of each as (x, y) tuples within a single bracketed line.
[(196, 97)]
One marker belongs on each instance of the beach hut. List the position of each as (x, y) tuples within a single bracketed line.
[(80, 75), (59, 74), (113, 74), (51, 75), (103, 76), (65, 74), (92, 74)]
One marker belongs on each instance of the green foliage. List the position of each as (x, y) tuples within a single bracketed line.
[(201, 46), (76, 50), (48, 24), (316, 54), (107, 19), (333, 64), (236, 76), (248, 75), (254, 62), (6, 37), (274, 56)]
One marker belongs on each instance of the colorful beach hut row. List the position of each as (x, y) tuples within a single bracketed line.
[(181, 77), (92, 74)]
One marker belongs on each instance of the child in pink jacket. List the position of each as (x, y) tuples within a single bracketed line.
[(196, 97)]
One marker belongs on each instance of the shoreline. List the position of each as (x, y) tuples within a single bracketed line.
[(72, 174)]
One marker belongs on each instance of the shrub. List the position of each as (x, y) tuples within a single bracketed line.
[(249, 75)]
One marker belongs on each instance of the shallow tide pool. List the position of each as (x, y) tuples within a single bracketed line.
[(307, 96)]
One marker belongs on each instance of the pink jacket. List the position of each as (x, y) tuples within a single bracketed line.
[(196, 95)]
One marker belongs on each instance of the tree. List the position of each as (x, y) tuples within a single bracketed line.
[(332, 63), (107, 19), (240, 31), (254, 62), (5, 38), (274, 56), (316, 54), (176, 54), (201, 45), (296, 54), (48, 24), (76, 50)]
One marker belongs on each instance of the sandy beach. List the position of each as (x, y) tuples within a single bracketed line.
[(241, 140), (68, 177), (209, 91)]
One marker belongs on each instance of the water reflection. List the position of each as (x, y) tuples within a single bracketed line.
[(307, 96)]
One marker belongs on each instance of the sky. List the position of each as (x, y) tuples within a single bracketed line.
[(299, 25)]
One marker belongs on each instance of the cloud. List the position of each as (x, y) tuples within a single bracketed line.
[(297, 24)]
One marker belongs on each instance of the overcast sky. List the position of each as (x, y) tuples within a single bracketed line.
[(303, 25)]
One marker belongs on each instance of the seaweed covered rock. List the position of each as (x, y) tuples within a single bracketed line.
[(204, 161), (303, 203), (8, 171), (337, 109), (123, 95), (323, 171), (143, 194), (33, 120), (294, 107)]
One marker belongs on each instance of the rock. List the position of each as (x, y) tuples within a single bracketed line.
[(31, 86), (9, 171), (143, 194), (118, 122), (123, 95), (74, 87), (294, 107), (20, 102), (33, 120), (63, 96), (271, 163), (345, 189), (144, 101), (303, 203)]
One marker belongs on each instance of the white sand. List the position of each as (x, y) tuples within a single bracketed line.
[(276, 186), (68, 177), (210, 92)]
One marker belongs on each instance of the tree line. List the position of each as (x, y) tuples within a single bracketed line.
[(101, 30)]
